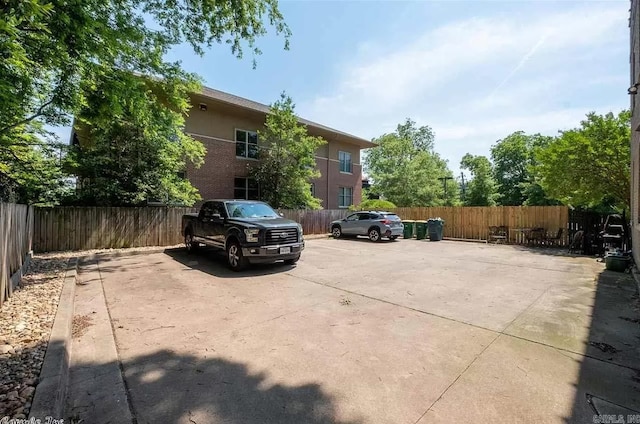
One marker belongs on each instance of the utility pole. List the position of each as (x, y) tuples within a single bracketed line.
[(444, 182), (464, 187)]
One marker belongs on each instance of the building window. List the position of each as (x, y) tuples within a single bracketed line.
[(246, 144), (345, 161), (246, 188), (345, 197)]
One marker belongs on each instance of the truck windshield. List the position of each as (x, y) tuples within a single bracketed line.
[(250, 210)]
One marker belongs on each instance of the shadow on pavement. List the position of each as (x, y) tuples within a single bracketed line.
[(365, 239), (213, 262), (550, 251), (167, 387), (609, 378)]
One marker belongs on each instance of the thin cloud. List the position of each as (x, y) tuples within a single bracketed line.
[(520, 64), (441, 76)]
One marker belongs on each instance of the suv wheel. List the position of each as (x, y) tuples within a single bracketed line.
[(374, 234), (190, 243), (235, 260), (336, 232)]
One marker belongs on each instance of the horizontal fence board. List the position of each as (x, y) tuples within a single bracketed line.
[(82, 228), (78, 228), (315, 221), (473, 222)]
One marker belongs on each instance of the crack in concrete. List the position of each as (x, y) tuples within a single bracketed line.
[(457, 378), (498, 333)]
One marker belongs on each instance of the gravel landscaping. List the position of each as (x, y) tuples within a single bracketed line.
[(25, 326)]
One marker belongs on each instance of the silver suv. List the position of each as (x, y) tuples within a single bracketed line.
[(373, 224)]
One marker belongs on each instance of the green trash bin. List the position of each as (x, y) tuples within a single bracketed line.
[(408, 228), (435, 226), (421, 230), (617, 262)]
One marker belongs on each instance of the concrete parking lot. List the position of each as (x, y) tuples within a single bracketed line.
[(359, 332)]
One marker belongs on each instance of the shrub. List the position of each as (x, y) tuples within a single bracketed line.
[(373, 205)]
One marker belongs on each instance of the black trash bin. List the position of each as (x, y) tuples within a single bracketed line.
[(435, 227)]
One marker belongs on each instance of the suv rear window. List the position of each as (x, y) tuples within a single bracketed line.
[(392, 217)]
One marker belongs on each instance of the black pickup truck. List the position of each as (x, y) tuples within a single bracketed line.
[(249, 231)]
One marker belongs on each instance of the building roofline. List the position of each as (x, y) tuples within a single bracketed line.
[(248, 104)]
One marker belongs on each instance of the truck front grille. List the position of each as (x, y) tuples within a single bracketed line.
[(282, 236)]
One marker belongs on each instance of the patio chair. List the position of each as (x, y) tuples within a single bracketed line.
[(555, 240), (498, 234), (535, 236), (577, 242)]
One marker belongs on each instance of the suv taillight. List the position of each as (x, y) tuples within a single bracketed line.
[(386, 221)]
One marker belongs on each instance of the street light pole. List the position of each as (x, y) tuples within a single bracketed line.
[(444, 182)]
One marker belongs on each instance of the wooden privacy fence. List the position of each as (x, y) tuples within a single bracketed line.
[(16, 229), (315, 222), (80, 228), (474, 222)]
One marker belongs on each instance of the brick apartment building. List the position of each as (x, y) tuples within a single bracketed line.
[(227, 125), (634, 91)]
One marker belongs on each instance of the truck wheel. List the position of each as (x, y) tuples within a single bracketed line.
[(190, 243), (235, 260), (292, 261)]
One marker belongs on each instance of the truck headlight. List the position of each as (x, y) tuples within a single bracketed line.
[(300, 229), (252, 235)]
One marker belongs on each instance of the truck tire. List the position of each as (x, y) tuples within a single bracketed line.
[(190, 244), (235, 260)]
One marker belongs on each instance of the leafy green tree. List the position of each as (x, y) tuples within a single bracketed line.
[(405, 169), (451, 190), (287, 159), (33, 174), (481, 189), (514, 162), (535, 195), (373, 205), (56, 54), (589, 165), (134, 151)]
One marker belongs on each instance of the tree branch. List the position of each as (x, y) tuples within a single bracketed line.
[(38, 113)]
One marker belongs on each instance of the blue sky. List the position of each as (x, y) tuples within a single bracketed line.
[(474, 71)]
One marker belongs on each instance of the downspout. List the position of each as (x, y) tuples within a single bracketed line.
[(328, 161)]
